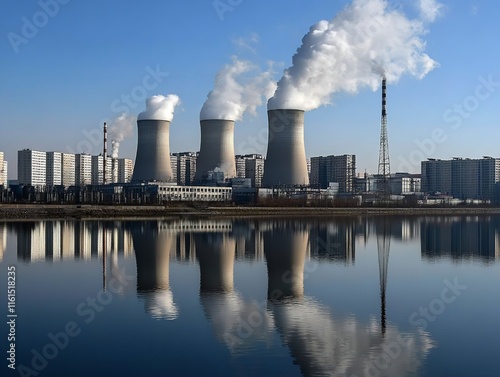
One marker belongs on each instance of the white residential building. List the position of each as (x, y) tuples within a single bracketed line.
[(125, 170), (97, 169), (54, 168), (31, 167), (3, 170), (83, 169), (68, 169)]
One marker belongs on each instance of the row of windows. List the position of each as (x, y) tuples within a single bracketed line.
[(195, 189)]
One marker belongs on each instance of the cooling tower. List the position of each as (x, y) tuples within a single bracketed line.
[(152, 162), (216, 149), (286, 155)]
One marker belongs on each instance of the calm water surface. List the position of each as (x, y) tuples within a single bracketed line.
[(361, 296)]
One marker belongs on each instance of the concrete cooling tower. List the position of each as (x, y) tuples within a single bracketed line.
[(216, 149), (286, 154), (152, 162)]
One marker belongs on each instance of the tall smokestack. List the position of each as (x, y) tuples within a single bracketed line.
[(152, 162), (105, 153), (216, 149), (285, 162)]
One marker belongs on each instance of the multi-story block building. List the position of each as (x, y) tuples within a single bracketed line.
[(250, 166), (125, 170), (185, 168), (339, 169), (32, 168), (68, 169), (54, 169), (3, 170), (436, 176), (98, 170), (463, 178), (83, 169)]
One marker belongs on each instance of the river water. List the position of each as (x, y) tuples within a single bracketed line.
[(360, 296)]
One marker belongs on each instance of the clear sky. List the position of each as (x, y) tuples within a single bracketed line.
[(61, 79)]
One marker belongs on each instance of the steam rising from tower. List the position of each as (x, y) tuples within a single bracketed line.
[(239, 88), (352, 51), (363, 42), (121, 128), (152, 161)]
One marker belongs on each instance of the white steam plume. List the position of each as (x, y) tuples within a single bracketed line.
[(119, 129), (352, 51), (239, 88), (429, 9), (160, 108)]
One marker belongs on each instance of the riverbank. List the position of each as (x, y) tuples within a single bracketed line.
[(55, 212)]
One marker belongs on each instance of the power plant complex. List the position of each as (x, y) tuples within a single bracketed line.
[(215, 173)]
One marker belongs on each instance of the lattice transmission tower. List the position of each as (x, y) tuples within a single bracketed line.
[(384, 164)]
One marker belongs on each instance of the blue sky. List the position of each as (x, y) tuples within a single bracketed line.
[(70, 77)]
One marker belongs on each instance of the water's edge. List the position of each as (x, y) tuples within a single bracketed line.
[(35, 212)]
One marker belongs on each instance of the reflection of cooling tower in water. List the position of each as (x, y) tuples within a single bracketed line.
[(227, 310), (285, 250), (323, 345), (152, 251), (215, 253)]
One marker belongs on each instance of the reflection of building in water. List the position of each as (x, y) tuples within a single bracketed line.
[(153, 246), (333, 241), (461, 238), (324, 345), (30, 241), (185, 247), (285, 249), (67, 240), (249, 240), (399, 228), (226, 309), (3, 239)]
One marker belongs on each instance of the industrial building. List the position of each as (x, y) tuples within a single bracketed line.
[(338, 169), (462, 178), (216, 149), (286, 162), (158, 192), (32, 168)]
